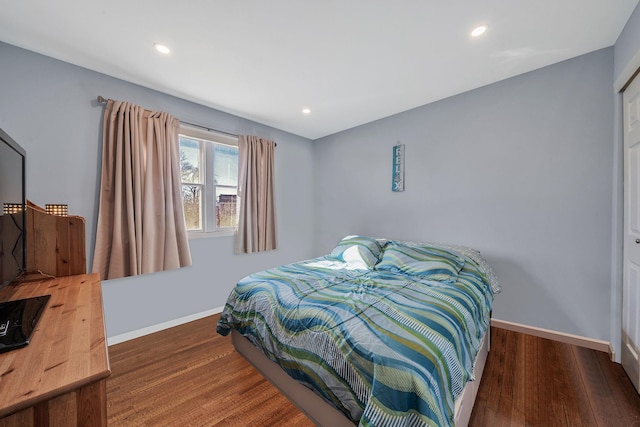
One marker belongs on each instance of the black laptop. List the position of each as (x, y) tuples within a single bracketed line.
[(18, 320)]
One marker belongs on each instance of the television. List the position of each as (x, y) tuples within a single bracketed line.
[(13, 250)]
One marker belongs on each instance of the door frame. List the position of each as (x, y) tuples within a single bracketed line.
[(617, 204)]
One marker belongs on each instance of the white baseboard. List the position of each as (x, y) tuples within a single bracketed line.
[(117, 339), (599, 345)]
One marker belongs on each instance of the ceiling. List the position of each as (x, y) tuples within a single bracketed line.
[(349, 61)]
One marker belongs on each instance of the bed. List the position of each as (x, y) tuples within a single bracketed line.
[(376, 333)]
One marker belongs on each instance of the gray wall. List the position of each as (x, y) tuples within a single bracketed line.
[(49, 108), (627, 47), (521, 170)]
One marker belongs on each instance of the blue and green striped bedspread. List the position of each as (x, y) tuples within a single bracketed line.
[(385, 348)]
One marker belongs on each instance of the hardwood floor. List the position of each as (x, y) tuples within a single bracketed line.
[(191, 376), (530, 381)]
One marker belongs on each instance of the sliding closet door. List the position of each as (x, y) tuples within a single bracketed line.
[(631, 274)]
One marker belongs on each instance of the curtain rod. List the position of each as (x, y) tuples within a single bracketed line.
[(103, 100)]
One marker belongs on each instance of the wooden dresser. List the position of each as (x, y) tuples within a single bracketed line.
[(59, 379)]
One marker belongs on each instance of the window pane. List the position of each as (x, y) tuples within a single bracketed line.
[(190, 160), (226, 207), (192, 206), (225, 165)]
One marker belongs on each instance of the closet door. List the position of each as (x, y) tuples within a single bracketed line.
[(631, 259)]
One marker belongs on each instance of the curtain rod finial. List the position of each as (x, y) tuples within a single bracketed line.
[(101, 100)]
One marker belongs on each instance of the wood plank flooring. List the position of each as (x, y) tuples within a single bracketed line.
[(191, 376), (530, 381)]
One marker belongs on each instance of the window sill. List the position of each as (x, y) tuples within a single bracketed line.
[(193, 235)]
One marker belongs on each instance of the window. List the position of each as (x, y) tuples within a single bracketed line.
[(209, 170)]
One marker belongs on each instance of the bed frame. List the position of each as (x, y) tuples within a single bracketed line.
[(322, 413)]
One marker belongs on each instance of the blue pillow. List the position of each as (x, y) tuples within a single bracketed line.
[(426, 261), (358, 250)]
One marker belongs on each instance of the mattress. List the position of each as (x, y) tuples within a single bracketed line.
[(325, 415), (386, 337)]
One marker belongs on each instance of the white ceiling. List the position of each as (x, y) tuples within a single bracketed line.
[(349, 61)]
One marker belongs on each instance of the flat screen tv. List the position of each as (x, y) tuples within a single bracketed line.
[(13, 251)]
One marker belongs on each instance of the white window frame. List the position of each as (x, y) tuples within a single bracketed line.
[(208, 192)]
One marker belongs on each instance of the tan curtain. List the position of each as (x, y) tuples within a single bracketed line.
[(141, 226), (256, 230)]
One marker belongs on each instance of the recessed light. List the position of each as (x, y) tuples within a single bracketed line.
[(306, 111), (162, 48), (478, 31)]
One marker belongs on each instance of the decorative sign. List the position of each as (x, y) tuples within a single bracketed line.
[(397, 183)]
